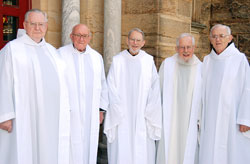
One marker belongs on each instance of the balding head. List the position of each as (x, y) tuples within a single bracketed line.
[(80, 36)]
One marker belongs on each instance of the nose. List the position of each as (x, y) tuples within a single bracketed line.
[(81, 38), (37, 26), (185, 49), (217, 38)]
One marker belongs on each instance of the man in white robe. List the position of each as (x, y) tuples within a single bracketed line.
[(226, 105), (31, 96), (88, 93), (133, 120), (180, 77)]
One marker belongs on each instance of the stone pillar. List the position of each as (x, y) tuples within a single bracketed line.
[(112, 30), (70, 17)]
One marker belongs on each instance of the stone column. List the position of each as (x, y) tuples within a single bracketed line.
[(70, 17), (112, 45), (112, 30)]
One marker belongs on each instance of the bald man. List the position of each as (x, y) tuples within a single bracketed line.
[(88, 95)]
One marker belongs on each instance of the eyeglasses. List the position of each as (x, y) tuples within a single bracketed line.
[(221, 36), (135, 40), (79, 36), (35, 24), (182, 48)]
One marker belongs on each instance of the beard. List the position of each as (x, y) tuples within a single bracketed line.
[(133, 52)]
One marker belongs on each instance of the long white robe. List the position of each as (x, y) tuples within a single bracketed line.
[(133, 120), (181, 99), (226, 104), (88, 92), (32, 92)]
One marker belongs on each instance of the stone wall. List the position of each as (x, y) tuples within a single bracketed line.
[(161, 20), (236, 14), (200, 26), (141, 14), (53, 9), (92, 14)]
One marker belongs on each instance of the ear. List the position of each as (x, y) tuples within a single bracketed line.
[(143, 43), (127, 41), (90, 37), (210, 39), (71, 37), (176, 49), (24, 25), (230, 38)]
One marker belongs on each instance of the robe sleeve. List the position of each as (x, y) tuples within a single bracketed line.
[(104, 93), (243, 117), (153, 113), (7, 111), (114, 114)]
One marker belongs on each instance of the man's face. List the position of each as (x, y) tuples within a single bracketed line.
[(185, 48), (36, 26), (80, 37), (135, 42), (220, 39)]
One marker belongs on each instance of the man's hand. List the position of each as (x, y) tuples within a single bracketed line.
[(244, 128), (7, 125), (101, 116)]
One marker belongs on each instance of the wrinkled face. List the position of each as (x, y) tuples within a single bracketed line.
[(185, 48), (36, 26), (80, 37), (135, 42), (220, 39)]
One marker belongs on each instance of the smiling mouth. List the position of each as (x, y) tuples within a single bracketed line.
[(186, 55)]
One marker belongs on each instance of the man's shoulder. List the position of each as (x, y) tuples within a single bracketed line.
[(207, 57), (240, 58), (235, 54), (94, 52), (147, 55), (15, 45), (119, 55), (66, 47), (50, 46), (239, 54), (170, 59), (15, 41)]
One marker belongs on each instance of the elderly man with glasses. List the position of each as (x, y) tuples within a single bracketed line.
[(133, 120), (32, 94), (226, 106), (180, 77), (88, 95)]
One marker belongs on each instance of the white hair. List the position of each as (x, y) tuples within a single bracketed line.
[(185, 35), (138, 30), (221, 25), (36, 11)]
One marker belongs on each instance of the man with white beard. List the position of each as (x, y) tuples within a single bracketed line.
[(32, 96), (180, 78), (133, 120), (226, 95), (88, 93)]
